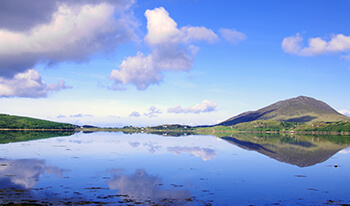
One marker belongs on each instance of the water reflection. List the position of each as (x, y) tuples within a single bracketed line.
[(134, 144), (152, 146), (19, 136), (205, 153), (185, 170), (345, 151), (299, 150), (141, 188), (25, 173)]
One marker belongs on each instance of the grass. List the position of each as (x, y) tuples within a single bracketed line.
[(269, 126), (17, 122)]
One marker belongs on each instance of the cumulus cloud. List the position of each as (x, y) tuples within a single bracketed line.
[(28, 84), (73, 34), (152, 111), (205, 153), (316, 46), (344, 112), (205, 106), (137, 70), (142, 187), (232, 36), (18, 15), (134, 114), (24, 173), (40, 31), (171, 49), (163, 29)]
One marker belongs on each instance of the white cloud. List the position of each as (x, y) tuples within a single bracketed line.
[(232, 36), (205, 153), (81, 115), (134, 114), (152, 111), (163, 29), (137, 70), (316, 46), (19, 15), (205, 106), (73, 34), (171, 49), (344, 112), (192, 34), (57, 31), (28, 84)]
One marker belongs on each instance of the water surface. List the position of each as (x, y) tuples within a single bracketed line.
[(127, 169)]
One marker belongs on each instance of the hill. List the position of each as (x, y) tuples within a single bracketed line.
[(18, 122), (301, 109)]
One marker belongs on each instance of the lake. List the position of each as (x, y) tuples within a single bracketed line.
[(113, 168)]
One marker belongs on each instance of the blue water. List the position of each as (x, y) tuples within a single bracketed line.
[(123, 169)]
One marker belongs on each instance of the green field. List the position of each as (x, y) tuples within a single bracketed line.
[(280, 127)]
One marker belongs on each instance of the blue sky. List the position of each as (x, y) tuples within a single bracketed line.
[(126, 62)]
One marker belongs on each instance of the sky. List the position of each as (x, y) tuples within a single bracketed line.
[(143, 63)]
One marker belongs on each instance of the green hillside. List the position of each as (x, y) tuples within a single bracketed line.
[(300, 109), (280, 126), (18, 122)]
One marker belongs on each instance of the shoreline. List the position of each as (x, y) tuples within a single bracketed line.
[(9, 129), (195, 131)]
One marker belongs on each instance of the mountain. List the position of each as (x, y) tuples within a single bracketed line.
[(300, 109), (18, 122)]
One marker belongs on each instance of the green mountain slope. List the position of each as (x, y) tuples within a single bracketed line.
[(18, 122), (300, 109)]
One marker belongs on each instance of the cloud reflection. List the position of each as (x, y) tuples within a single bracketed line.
[(205, 153), (345, 151), (24, 173), (134, 144), (152, 147), (142, 187)]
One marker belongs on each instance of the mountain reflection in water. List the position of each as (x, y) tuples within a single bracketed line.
[(109, 168), (299, 150)]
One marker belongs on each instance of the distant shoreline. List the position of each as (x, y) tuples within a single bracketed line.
[(193, 131), (10, 129), (280, 132)]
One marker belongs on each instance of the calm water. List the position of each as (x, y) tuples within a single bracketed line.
[(145, 169)]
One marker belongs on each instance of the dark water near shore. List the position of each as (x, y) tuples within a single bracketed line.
[(145, 169)]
